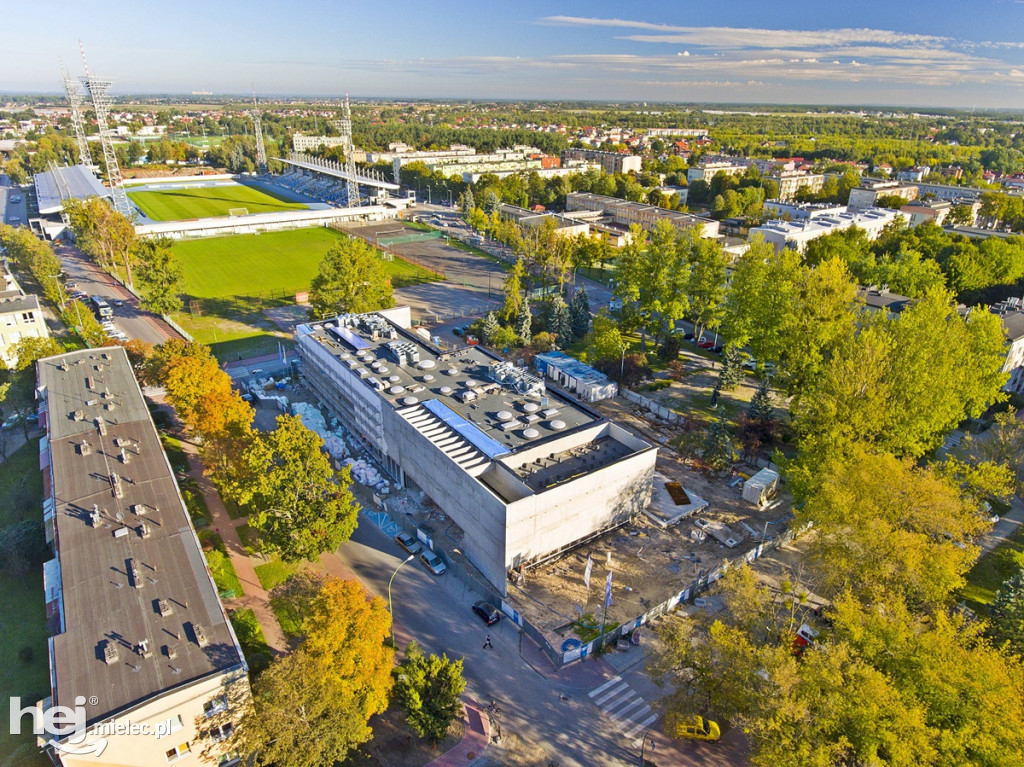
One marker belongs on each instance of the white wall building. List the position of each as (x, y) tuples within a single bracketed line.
[(796, 234), (20, 315), (610, 162), (801, 211), (624, 213)]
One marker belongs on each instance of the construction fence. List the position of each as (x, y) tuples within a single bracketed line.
[(665, 414)]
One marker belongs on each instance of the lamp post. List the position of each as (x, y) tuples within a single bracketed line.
[(391, 606), (60, 293)]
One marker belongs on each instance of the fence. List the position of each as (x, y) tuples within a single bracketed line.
[(339, 227), (664, 413)]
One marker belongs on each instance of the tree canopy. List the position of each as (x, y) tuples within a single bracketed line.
[(351, 278)]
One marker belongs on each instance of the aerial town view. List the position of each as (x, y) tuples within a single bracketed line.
[(527, 384)]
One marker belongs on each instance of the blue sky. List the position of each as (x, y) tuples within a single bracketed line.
[(967, 53)]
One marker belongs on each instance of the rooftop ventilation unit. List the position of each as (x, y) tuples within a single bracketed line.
[(517, 379), (133, 573), (125, 456), (201, 639), (101, 426), (83, 448), (110, 653), (403, 352), (164, 607), (143, 530), (94, 516), (116, 485)]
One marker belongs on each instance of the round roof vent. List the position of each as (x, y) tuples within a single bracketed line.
[(397, 389), (428, 378), (425, 364), (383, 370), (531, 433), (410, 401), (446, 390), (394, 379), (504, 415), (557, 424), (531, 407)]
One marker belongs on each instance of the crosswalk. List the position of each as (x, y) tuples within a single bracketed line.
[(630, 714)]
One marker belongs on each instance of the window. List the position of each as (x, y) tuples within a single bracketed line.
[(178, 752), (27, 317), (231, 757), (215, 706), (222, 732)]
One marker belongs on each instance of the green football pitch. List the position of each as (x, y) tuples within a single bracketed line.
[(209, 201), (269, 263)]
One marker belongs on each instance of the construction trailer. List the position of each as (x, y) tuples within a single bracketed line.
[(759, 489)]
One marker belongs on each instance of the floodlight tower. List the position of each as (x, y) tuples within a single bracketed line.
[(99, 92), (74, 96), (345, 127), (261, 149)]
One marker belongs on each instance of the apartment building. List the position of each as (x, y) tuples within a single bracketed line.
[(139, 639), (624, 214), (865, 195), (706, 171), (610, 162), (20, 315), (792, 181)]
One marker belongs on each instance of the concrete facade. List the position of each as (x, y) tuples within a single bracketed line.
[(20, 315), (791, 182), (610, 162), (707, 171), (625, 214), (864, 196), (521, 468), (796, 234)]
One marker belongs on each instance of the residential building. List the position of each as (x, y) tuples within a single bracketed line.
[(671, 132), (792, 181), (610, 162), (705, 171), (522, 469), (865, 195), (138, 634), (1011, 312), (301, 143), (801, 211), (796, 234), (529, 166), (917, 173), (624, 214), (20, 316), (919, 212)]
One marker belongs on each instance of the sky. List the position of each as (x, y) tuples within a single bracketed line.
[(915, 53)]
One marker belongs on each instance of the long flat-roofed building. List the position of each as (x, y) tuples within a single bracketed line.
[(625, 213), (138, 631), (525, 470)]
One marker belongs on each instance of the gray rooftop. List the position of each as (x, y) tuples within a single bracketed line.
[(131, 569), (17, 303), (76, 181), (509, 405)]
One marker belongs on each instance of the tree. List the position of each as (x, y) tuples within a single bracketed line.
[(299, 505), (22, 546), (524, 322), (732, 369), (651, 272), (877, 515), (579, 313), (30, 349), (605, 340), (761, 408), (513, 305), (561, 325), (489, 329), (1003, 445), (467, 202), (103, 233), (1006, 625), (428, 688), (160, 277), (961, 214), (351, 278), (312, 707), (719, 452), (706, 286)]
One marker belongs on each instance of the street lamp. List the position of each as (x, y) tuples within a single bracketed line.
[(391, 607)]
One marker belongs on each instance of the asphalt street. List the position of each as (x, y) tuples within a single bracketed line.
[(436, 612)]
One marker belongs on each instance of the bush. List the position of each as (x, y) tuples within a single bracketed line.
[(25, 655)]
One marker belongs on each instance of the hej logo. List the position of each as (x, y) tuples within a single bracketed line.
[(56, 722)]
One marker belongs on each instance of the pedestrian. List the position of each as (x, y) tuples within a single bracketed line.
[(487, 643)]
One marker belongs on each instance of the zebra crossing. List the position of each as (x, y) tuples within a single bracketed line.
[(629, 712)]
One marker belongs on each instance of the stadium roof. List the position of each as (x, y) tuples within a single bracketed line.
[(139, 614), (76, 181), (329, 171)]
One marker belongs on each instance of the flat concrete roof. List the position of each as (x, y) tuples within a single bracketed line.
[(131, 569), (513, 419)]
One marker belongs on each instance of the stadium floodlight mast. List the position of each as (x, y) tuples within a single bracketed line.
[(257, 127), (74, 96), (99, 91), (344, 126)]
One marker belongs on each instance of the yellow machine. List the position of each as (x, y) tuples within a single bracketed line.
[(699, 729)]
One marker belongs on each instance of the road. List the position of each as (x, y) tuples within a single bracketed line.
[(436, 612), (128, 317)]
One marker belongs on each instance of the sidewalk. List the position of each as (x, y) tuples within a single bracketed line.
[(256, 597), (478, 735)]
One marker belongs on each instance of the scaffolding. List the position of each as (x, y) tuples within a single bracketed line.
[(99, 91), (74, 96)]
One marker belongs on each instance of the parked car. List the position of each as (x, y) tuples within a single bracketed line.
[(118, 302), (705, 344), (699, 729), (71, 285), (408, 543), (459, 330), (718, 349), (10, 422), (472, 340), (488, 613), (433, 562)]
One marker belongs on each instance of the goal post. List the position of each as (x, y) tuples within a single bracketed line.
[(238, 211)]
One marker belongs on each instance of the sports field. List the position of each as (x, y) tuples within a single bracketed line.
[(208, 202), (230, 281)]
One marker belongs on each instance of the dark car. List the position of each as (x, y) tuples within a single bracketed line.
[(459, 330), (688, 337), (718, 349), (488, 613), (433, 562), (408, 543)]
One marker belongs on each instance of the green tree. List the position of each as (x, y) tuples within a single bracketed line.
[(707, 284), (561, 325), (524, 323), (731, 374), (579, 313), (428, 688), (102, 233), (513, 305), (160, 277), (30, 349), (1006, 625), (719, 451), (761, 407), (490, 328), (351, 278), (299, 505), (605, 340), (467, 203)]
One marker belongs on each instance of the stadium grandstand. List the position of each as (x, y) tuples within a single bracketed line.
[(56, 185), (327, 180)]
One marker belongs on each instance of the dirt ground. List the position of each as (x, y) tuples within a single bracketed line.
[(395, 744), (648, 563)]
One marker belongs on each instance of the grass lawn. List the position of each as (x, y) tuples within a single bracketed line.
[(989, 572), (274, 573), (209, 201), (250, 637), (223, 571), (23, 611), (233, 279), (249, 539), (291, 624), (195, 503), (175, 454)]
